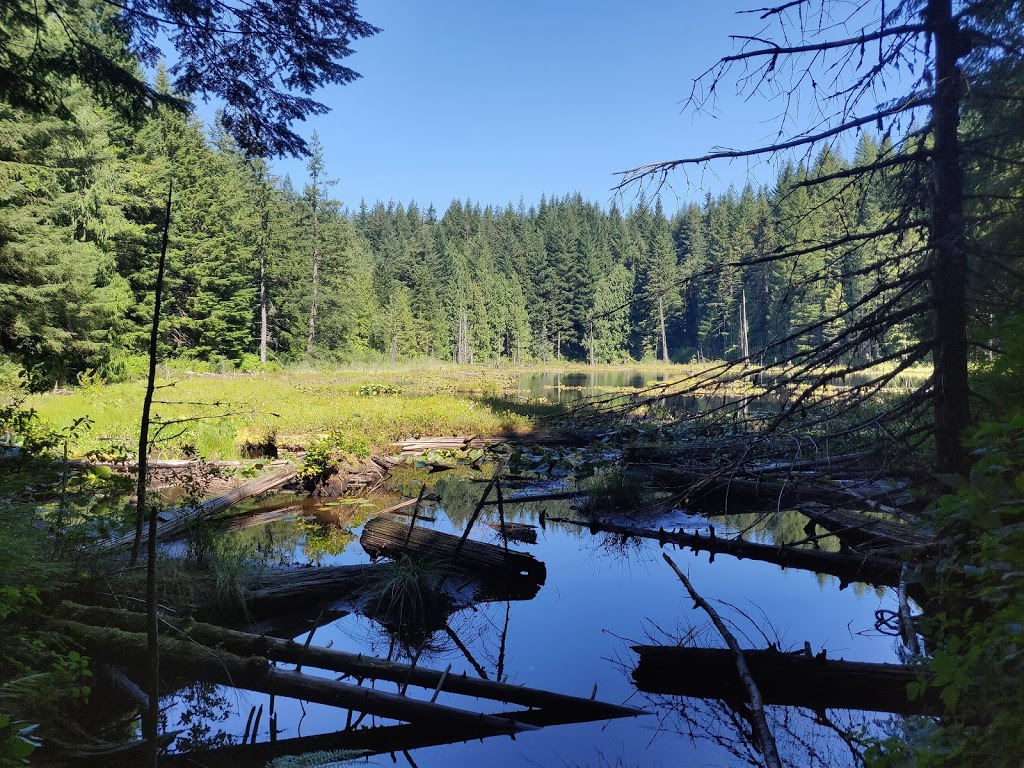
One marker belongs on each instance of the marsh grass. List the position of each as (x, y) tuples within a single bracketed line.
[(293, 409), (411, 596), (614, 490)]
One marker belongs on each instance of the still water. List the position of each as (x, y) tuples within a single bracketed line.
[(600, 597)]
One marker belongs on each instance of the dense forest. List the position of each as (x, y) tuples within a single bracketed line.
[(261, 269), (890, 236)]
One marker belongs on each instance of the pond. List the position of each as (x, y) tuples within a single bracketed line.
[(601, 596), (570, 386)]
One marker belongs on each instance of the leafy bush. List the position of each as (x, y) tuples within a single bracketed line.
[(23, 429), (976, 629), (16, 741)]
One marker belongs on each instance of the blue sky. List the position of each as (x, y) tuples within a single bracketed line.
[(493, 101)]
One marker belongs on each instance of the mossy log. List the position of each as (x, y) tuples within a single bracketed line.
[(185, 516), (388, 537), (353, 664), (187, 658), (848, 567), (795, 679)]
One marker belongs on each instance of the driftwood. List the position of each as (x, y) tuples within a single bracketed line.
[(357, 665), (765, 738), (795, 679), (185, 516), (187, 658), (347, 477), (383, 536), (848, 567)]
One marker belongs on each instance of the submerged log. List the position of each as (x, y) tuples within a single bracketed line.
[(388, 537), (298, 588), (254, 673), (794, 679), (848, 567), (185, 516), (356, 665)]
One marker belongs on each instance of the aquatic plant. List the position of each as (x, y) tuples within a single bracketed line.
[(614, 490)]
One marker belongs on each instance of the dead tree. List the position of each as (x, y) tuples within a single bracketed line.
[(809, 58)]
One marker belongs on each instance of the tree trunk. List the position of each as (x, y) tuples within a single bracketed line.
[(744, 328), (314, 296), (948, 248), (661, 325), (263, 306), (151, 718)]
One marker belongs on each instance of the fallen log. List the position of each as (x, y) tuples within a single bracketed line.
[(529, 498), (244, 644), (185, 516), (702, 489), (388, 537), (859, 529), (377, 740), (254, 673), (465, 442), (301, 587), (848, 567), (794, 679)]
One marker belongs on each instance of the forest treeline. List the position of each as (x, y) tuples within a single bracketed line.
[(266, 268)]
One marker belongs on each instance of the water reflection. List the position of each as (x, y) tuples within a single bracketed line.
[(603, 594)]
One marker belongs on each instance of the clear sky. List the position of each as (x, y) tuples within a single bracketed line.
[(493, 101)]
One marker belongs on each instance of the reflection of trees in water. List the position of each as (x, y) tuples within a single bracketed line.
[(200, 707), (805, 739), (785, 526), (833, 739), (272, 543)]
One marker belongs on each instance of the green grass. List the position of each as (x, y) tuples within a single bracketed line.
[(296, 408)]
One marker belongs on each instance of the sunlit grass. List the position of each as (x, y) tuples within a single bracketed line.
[(294, 407), (362, 404)]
